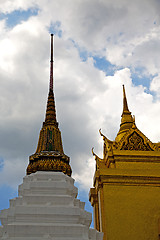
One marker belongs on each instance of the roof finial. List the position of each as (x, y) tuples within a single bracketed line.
[(51, 65), (126, 120), (125, 105), (51, 110)]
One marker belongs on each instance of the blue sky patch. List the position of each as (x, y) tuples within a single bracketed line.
[(83, 55), (17, 16), (140, 78), (82, 52), (1, 164), (55, 29), (104, 65), (6, 194), (84, 197)]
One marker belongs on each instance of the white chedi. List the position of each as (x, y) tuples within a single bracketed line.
[(47, 208)]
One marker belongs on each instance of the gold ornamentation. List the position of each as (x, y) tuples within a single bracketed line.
[(49, 155), (49, 165), (135, 142)]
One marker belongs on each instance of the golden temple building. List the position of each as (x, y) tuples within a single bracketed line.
[(126, 193)]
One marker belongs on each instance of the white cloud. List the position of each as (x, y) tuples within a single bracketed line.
[(155, 85), (117, 30), (7, 6)]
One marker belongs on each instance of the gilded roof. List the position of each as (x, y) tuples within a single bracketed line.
[(129, 137)]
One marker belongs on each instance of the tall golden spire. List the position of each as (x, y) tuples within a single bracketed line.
[(51, 111), (49, 155), (126, 118)]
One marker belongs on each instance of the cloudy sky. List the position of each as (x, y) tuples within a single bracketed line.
[(98, 46)]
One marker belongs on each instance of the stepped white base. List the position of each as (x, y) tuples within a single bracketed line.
[(47, 208)]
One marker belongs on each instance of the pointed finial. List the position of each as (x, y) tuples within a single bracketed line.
[(51, 110), (51, 65), (125, 105), (126, 120)]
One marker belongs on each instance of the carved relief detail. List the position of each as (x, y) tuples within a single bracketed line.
[(136, 142), (49, 165)]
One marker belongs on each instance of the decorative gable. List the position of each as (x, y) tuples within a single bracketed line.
[(135, 142)]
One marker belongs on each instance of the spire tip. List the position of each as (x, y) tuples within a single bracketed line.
[(125, 104), (51, 64)]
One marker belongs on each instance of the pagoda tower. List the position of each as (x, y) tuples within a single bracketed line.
[(126, 193), (47, 207), (49, 155)]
